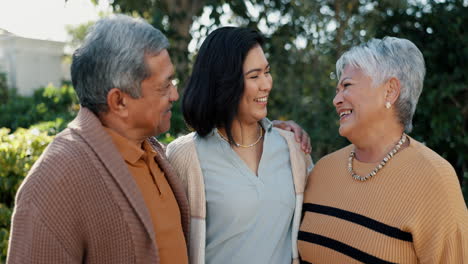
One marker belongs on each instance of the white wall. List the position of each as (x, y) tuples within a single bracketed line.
[(31, 63)]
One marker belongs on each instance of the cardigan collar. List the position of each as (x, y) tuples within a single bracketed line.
[(90, 128)]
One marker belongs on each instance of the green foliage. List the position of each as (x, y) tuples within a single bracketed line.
[(78, 33), (46, 104), (465, 187), (166, 138), (439, 30), (18, 152), (3, 88), (178, 126), (51, 127)]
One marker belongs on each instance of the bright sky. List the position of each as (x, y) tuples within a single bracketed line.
[(46, 19)]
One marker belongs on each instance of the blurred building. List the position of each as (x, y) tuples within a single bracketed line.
[(31, 63)]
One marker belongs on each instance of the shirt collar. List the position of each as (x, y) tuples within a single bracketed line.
[(150, 151), (266, 124), (130, 151)]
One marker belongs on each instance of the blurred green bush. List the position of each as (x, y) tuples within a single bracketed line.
[(3, 88), (18, 152), (46, 104)]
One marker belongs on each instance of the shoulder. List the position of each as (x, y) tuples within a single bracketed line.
[(182, 150), (288, 135), (295, 149), (60, 171), (429, 157), (332, 158), (67, 152), (62, 154), (289, 138), (432, 167), (181, 145), (436, 186), (182, 155)]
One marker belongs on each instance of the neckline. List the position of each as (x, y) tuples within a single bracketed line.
[(362, 163), (237, 160), (365, 167)]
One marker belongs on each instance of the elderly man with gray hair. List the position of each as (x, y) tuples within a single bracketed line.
[(103, 191)]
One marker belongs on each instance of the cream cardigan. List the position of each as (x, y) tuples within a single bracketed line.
[(182, 155)]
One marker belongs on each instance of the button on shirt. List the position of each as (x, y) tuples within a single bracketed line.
[(158, 197), (249, 218)]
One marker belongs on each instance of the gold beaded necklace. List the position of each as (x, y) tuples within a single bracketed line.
[(378, 167), (244, 146)]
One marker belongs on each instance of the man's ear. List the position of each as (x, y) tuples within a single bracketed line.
[(392, 90), (117, 102)]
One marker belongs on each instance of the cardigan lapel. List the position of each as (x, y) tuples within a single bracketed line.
[(298, 161), (88, 126)]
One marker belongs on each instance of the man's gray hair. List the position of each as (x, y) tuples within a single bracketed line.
[(113, 56), (382, 59)]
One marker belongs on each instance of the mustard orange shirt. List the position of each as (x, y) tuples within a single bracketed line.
[(158, 196)]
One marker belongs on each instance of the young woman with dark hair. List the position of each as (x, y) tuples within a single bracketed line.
[(216, 85), (244, 178)]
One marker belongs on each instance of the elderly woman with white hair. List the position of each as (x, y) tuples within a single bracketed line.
[(386, 198)]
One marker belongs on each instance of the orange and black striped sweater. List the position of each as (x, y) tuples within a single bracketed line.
[(412, 211)]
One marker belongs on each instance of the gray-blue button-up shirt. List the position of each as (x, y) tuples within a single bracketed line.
[(249, 217)]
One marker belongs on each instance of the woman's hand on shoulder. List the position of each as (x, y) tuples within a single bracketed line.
[(300, 134)]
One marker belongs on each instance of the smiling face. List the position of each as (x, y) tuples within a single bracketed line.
[(257, 86), (151, 113), (359, 104)]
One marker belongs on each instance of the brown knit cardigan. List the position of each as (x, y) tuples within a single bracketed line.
[(80, 204)]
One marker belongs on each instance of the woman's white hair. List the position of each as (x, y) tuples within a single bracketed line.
[(382, 59)]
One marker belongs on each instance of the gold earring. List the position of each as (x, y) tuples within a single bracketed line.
[(388, 105)]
